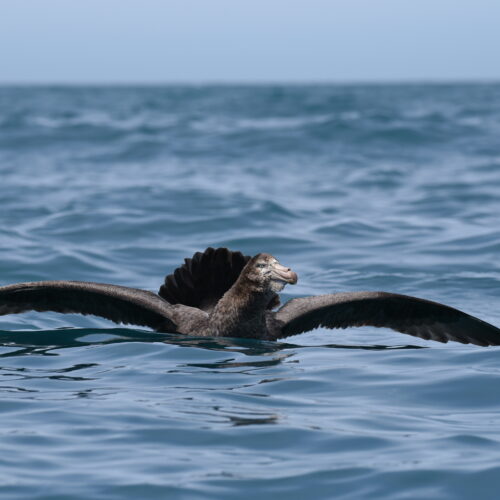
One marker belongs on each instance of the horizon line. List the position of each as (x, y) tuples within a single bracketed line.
[(241, 82)]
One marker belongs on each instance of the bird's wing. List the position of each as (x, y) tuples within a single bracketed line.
[(421, 318), (204, 278), (116, 303)]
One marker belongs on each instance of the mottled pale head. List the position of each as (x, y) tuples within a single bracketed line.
[(269, 273)]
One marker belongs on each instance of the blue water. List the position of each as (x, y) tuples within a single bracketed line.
[(379, 187)]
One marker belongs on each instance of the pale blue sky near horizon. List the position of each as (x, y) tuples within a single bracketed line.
[(202, 41)]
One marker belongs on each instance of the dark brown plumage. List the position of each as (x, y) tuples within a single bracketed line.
[(227, 294)]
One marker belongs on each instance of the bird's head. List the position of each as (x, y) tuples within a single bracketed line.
[(268, 273)]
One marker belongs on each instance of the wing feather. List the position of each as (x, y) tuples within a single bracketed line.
[(204, 278), (116, 303), (403, 313)]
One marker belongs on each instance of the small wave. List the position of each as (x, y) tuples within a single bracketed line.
[(100, 119), (226, 125)]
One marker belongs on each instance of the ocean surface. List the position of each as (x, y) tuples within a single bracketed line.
[(376, 187)]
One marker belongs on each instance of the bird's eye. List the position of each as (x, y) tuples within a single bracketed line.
[(261, 265)]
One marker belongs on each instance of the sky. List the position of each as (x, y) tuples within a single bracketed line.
[(204, 41)]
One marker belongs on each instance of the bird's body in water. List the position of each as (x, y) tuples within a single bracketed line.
[(221, 293)]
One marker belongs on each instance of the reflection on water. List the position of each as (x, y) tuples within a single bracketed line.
[(44, 342)]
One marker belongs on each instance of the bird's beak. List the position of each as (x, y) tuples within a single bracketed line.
[(285, 274)]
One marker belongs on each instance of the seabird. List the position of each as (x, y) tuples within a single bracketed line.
[(221, 293)]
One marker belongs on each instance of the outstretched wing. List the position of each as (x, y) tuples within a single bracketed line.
[(203, 279), (116, 303), (421, 318)]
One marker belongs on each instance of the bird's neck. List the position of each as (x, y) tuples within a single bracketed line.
[(241, 312)]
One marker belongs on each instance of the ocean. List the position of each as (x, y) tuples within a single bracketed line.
[(355, 187)]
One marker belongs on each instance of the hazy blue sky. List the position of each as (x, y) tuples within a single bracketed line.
[(248, 40)]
